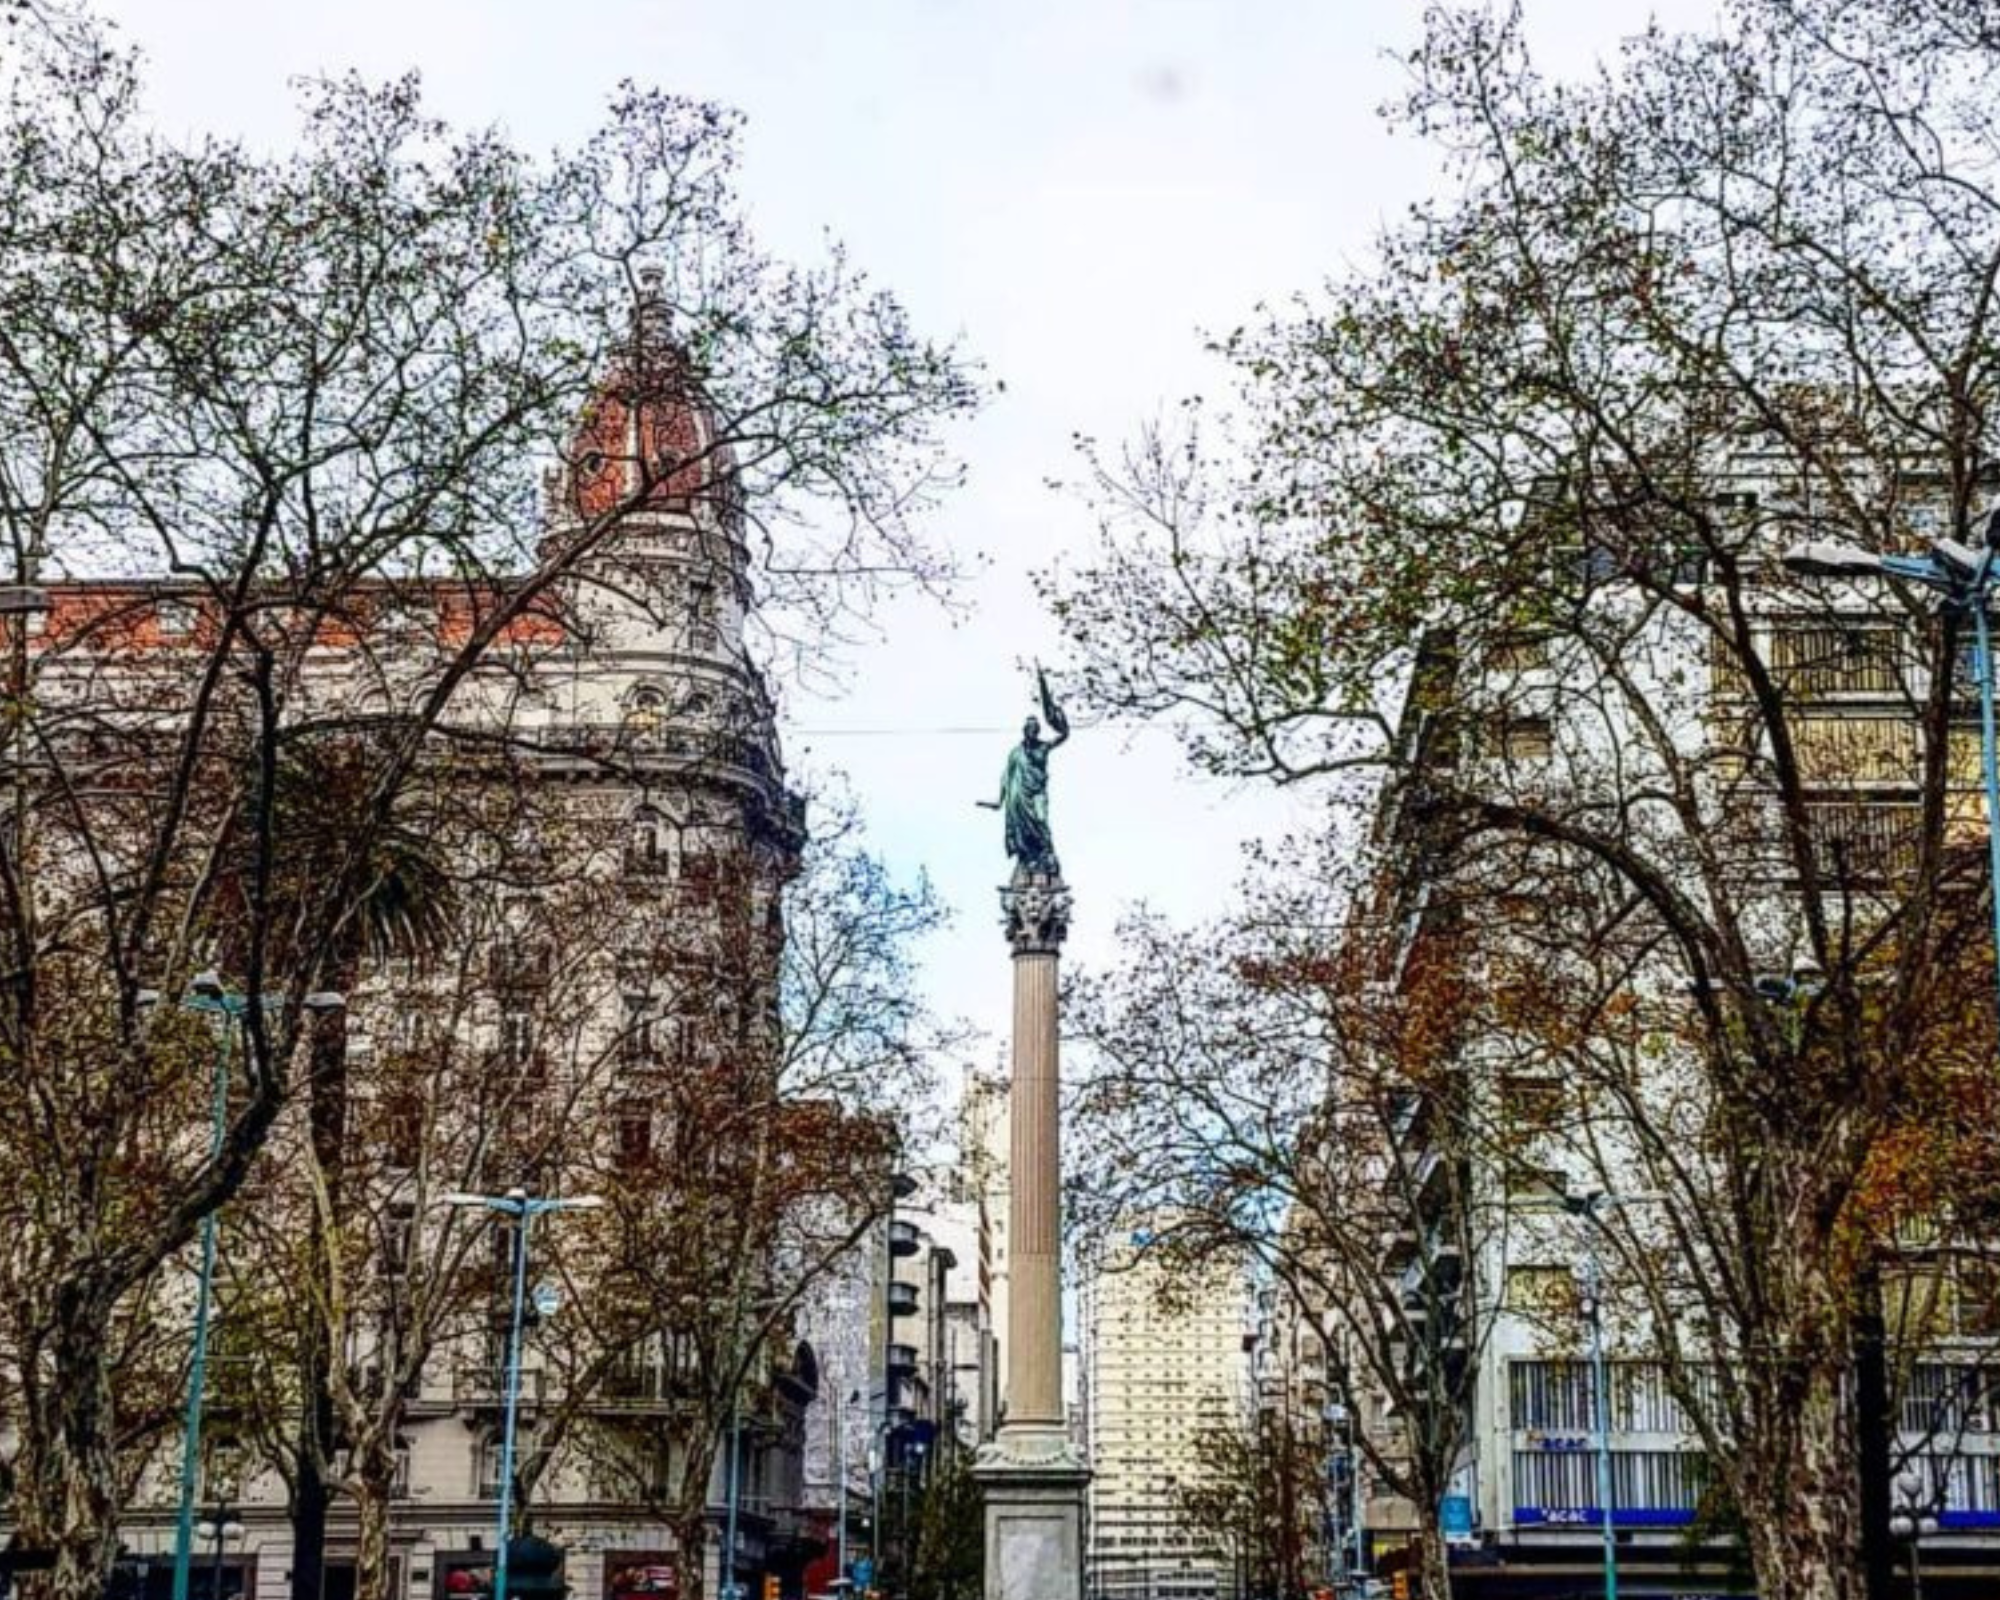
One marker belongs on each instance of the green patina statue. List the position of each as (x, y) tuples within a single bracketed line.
[(1024, 790)]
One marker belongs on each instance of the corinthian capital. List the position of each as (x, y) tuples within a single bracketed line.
[(1034, 909)]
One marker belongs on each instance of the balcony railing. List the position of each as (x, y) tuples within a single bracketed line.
[(488, 1382)]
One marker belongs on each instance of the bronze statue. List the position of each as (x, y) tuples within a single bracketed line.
[(1024, 791)]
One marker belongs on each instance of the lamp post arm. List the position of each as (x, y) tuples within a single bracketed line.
[(1926, 570)]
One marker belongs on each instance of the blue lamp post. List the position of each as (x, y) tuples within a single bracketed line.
[(1591, 1282), (522, 1208), (206, 993), (1966, 579)]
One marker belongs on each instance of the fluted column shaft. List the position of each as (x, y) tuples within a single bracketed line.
[(1034, 1306)]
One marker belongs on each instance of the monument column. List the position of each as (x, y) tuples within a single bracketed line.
[(1031, 1475)]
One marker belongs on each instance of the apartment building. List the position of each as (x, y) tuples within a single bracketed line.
[(1162, 1359), (1636, 704)]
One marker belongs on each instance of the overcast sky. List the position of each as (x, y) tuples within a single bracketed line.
[(1077, 188)]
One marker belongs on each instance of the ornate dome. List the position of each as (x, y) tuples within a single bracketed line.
[(648, 428)]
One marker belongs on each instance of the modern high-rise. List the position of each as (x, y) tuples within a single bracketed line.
[(1163, 1363)]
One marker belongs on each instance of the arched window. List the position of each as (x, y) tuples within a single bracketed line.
[(645, 709)]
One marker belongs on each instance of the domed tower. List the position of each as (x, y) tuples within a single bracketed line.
[(677, 720), (663, 598)]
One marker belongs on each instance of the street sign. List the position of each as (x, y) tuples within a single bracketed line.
[(1455, 1518), (548, 1299), (864, 1573)]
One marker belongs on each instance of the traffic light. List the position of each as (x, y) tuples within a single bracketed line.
[(1399, 1586), (534, 1569), (770, 1586)]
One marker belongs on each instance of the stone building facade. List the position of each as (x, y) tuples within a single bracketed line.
[(646, 789)]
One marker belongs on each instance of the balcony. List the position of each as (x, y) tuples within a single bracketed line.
[(518, 966), (902, 1359), (902, 1299), (487, 1384), (634, 1386), (904, 1240), (1399, 1244)]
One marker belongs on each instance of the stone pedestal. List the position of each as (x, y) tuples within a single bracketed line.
[(1034, 1531), (1031, 1476)]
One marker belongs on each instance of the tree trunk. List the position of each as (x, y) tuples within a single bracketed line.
[(1873, 1431), (691, 1547), (326, 1117), (1804, 1522), (1433, 1561), (76, 1476), (310, 1497), (371, 1548)]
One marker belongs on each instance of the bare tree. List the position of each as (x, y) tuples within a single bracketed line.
[(1500, 528), (244, 402)]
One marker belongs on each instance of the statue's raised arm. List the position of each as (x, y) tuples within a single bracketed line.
[(1051, 710), (1024, 790)]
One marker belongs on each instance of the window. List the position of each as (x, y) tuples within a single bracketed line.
[(486, 1470), (645, 710), (1943, 1401), (635, 1134), (1641, 1480), (701, 614), (1544, 1292), (1518, 652), (1549, 1395), (638, 1044), (1859, 840), (682, 1039), (1829, 659), (399, 1228), (517, 1037), (1842, 751), (402, 1127), (649, 845), (1524, 739), (1533, 1181), (1531, 1105), (175, 618), (1978, 1299)]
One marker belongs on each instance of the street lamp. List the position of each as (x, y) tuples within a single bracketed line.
[(847, 1398), (1966, 579), (1913, 1519), (1591, 1281), (730, 1589), (523, 1208), (219, 1526), (206, 993)]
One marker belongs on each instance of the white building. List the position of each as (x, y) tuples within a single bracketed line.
[(1155, 1371)]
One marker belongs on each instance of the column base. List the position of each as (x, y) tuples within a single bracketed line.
[(1033, 1482)]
